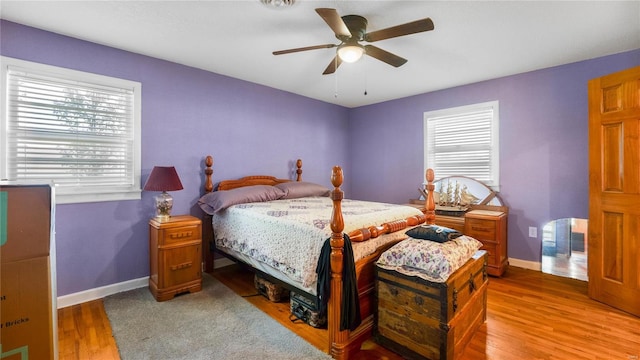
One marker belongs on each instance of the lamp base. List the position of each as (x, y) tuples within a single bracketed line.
[(164, 204)]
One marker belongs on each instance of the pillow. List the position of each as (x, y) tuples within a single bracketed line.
[(299, 189), (220, 200), (429, 260), (434, 233)]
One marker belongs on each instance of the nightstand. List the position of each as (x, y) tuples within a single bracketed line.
[(490, 227), (175, 250)]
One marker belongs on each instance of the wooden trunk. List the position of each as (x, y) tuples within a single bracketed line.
[(420, 319)]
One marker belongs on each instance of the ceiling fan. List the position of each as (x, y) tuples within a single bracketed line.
[(351, 30)]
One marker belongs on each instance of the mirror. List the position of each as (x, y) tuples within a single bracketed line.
[(564, 248)]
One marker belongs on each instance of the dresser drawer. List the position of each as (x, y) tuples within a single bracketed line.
[(181, 234), (452, 222), (491, 252), (481, 229)]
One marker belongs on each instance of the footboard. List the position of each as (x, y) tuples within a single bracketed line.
[(344, 343)]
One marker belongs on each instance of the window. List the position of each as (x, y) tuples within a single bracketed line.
[(77, 130), (464, 141)]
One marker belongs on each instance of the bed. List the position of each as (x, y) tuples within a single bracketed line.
[(375, 237)]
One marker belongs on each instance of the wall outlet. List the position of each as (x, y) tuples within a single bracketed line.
[(533, 232)]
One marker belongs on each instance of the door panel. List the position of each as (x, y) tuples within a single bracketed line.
[(614, 190)]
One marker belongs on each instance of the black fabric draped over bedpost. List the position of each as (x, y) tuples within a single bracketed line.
[(350, 316)]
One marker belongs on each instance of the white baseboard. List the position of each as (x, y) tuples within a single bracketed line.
[(99, 293), (526, 264)]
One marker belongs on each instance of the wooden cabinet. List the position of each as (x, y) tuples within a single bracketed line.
[(490, 227), (175, 249)]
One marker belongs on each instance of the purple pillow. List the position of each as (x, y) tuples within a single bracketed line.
[(220, 200), (299, 189)]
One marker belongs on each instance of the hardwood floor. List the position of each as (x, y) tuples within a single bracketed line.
[(84, 332), (531, 315)]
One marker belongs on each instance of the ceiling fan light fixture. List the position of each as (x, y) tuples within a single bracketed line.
[(278, 4), (350, 53)]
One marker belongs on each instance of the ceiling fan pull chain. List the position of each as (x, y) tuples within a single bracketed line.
[(335, 92), (366, 82)]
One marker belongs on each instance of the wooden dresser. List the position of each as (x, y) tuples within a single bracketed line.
[(490, 227), (175, 250)]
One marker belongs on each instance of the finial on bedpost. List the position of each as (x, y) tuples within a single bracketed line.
[(299, 170), (208, 171), (430, 204), (337, 222)]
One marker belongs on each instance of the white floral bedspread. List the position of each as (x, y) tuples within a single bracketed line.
[(288, 234)]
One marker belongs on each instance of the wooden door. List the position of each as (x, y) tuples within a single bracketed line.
[(614, 190)]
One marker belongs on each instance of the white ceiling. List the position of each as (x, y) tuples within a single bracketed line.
[(472, 40)]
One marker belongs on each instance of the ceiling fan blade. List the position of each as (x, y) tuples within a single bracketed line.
[(335, 22), (400, 30), (383, 55), (333, 65), (289, 51)]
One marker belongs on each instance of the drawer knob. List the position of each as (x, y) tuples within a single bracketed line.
[(419, 300), (393, 291)]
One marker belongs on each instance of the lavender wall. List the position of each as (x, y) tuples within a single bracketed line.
[(186, 114), (249, 128), (543, 144)]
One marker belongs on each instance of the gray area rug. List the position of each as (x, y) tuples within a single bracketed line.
[(214, 323)]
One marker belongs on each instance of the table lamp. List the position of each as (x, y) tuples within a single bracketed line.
[(163, 178)]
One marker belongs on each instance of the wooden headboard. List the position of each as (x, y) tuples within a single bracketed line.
[(245, 181)]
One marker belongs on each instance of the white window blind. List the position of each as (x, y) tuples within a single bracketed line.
[(77, 130), (463, 141)]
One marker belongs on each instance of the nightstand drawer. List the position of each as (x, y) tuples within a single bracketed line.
[(181, 265), (181, 234), (481, 229)]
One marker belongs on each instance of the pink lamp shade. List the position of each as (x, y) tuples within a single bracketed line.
[(163, 178)]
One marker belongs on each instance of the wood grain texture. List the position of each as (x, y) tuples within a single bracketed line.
[(614, 189), (84, 332), (531, 315)]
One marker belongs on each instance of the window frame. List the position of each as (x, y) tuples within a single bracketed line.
[(494, 182), (81, 193)]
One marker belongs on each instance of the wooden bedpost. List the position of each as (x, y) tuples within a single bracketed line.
[(299, 170), (207, 226), (337, 339), (429, 202), (208, 171)]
